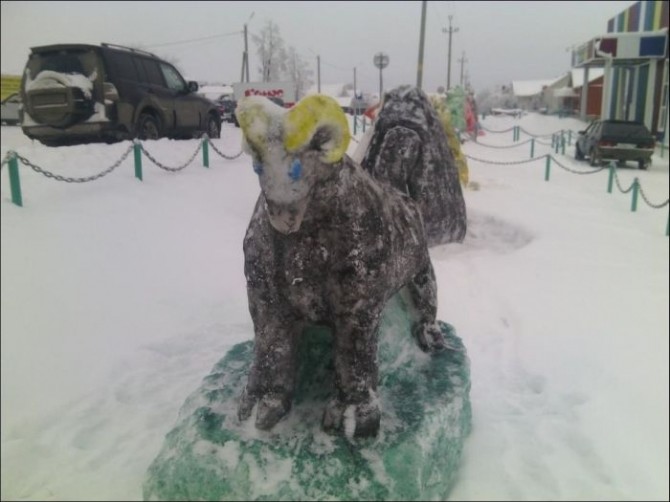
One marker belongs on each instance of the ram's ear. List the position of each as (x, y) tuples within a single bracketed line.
[(254, 122), (317, 122)]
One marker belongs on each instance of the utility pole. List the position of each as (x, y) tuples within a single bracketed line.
[(422, 36), (449, 31), (463, 60), (318, 74), (354, 81), (245, 56)]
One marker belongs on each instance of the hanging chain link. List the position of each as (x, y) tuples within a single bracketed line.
[(496, 132), (650, 204), (504, 163), (578, 172), (228, 157), (167, 168), (58, 177), (618, 184), (504, 146)]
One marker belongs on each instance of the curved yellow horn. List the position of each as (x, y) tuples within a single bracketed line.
[(304, 119)]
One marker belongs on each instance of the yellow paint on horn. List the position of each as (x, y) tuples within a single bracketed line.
[(304, 119)]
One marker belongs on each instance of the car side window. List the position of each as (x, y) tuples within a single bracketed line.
[(153, 72), (172, 77), (123, 64)]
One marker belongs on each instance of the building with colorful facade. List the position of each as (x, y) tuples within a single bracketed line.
[(634, 55)]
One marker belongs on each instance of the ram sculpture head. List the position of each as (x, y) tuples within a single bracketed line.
[(292, 150)]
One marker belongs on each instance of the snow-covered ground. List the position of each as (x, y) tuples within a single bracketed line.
[(118, 296)]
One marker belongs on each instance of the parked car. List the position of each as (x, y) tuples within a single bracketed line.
[(227, 107), (10, 109), (618, 140), (75, 93)]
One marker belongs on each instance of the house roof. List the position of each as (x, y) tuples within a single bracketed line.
[(578, 75), (526, 88)]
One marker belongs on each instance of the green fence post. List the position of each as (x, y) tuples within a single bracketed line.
[(569, 137), (513, 133), (355, 123), (205, 151), (610, 181), (547, 167), (636, 188), (14, 182), (532, 148), (138, 160), (363, 123)]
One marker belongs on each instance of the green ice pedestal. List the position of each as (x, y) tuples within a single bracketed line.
[(426, 416)]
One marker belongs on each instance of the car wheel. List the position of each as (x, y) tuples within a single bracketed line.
[(594, 157), (148, 127), (643, 164), (578, 153), (213, 129)]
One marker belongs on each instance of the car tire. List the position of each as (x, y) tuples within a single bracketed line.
[(213, 127), (594, 158), (643, 164), (578, 153), (148, 127)]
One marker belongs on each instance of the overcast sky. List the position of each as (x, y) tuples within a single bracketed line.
[(503, 41)]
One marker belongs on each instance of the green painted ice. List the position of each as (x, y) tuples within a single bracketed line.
[(426, 417)]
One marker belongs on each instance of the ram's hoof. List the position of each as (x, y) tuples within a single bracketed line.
[(429, 338), (271, 409), (356, 420)]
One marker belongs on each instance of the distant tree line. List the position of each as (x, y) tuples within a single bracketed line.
[(278, 63)]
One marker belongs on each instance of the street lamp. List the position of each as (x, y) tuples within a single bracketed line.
[(381, 61)]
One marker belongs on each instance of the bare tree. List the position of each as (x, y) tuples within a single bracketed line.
[(299, 72), (271, 52)]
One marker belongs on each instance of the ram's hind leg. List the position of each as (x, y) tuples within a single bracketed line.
[(422, 290)]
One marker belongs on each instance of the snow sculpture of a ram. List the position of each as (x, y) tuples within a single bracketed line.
[(327, 244)]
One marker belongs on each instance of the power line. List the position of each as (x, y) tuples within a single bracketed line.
[(194, 40)]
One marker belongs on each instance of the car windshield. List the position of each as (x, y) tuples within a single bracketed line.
[(65, 61)]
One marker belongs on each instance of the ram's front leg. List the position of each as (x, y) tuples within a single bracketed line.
[(355, 405), (271, 379)]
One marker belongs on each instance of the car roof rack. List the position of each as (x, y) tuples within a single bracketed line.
[(131, 49)]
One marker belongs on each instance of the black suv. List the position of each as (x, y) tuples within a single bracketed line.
[(75, 93), (618, 140)]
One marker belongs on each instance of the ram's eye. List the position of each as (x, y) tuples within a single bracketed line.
[(258, 167), (296, 170)]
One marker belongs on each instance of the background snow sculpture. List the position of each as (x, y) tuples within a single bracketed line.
[(409, 150)]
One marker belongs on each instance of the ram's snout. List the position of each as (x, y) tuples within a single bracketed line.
[(286, 217)]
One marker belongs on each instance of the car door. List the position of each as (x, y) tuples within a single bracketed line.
[(161, 96), (186, 105)]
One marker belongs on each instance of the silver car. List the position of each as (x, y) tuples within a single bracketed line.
[(10, 109)]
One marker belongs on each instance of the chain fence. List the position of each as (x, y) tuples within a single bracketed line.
[(505, 163), (13, 158), (504, 146), (167, 168), (221, 154), (86, 179), (548, 158)]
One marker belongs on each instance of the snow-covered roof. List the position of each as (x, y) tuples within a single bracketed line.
[(524, 88), (578, 75), (334, 90)]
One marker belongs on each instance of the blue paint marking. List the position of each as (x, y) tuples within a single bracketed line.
[(296, 170), (258, 167)]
